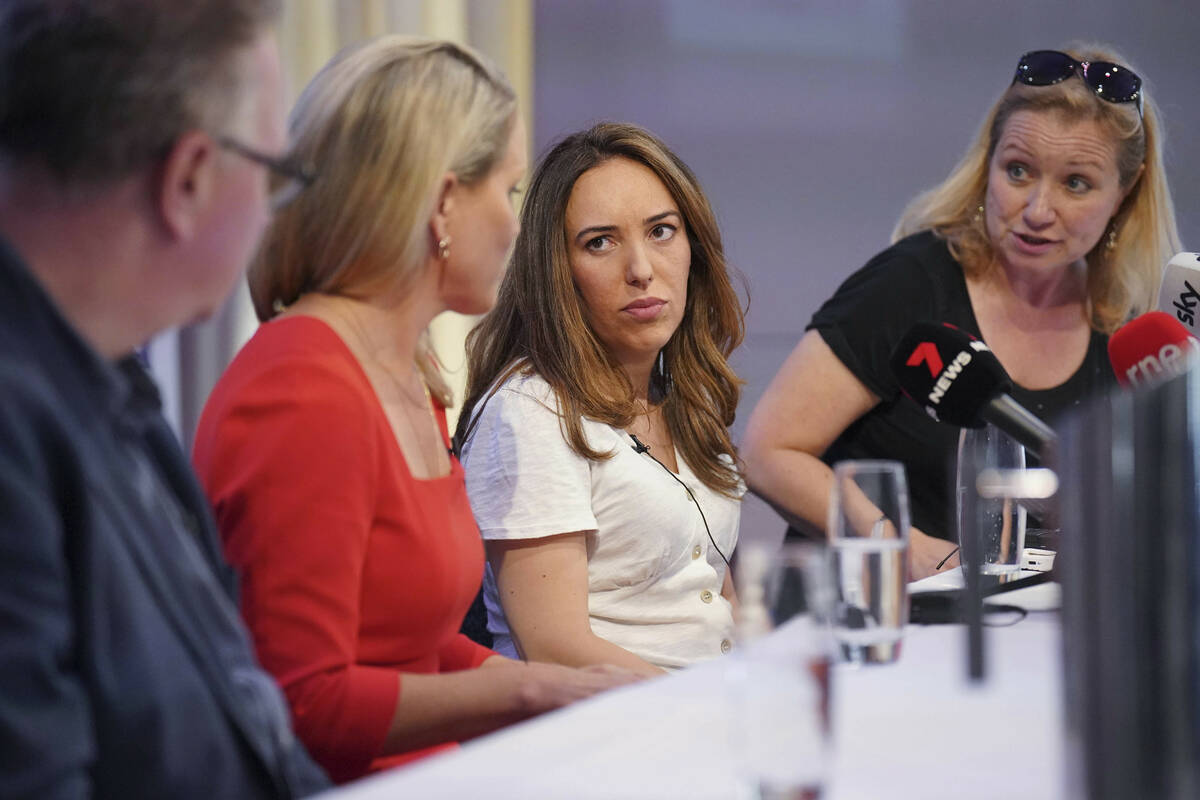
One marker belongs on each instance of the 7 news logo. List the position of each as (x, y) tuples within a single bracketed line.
[(943, 374)]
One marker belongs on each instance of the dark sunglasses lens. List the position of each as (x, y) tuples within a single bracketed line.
[(1044, 67), (1112, 81)]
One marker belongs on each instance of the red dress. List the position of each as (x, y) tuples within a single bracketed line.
[(352, 571)]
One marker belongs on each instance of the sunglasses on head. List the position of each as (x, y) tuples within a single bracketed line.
[(1111, 82)]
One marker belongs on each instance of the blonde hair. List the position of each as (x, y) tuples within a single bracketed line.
[(381, 124), (1122, 281), (539, 322)]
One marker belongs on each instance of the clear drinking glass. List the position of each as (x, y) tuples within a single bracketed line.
[(868, 531), (779, 672), (1000, 520)]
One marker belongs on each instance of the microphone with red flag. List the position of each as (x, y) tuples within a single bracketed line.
[(1152, 347), (957, 379)]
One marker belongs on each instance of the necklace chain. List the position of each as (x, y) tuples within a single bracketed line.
[(432, 466)]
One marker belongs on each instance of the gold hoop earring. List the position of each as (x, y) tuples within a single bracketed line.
[(444, 248)]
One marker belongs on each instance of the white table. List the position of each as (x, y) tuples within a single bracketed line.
[(920, 730), (914, 729)]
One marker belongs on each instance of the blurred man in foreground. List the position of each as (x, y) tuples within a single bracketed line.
[(136, 138)]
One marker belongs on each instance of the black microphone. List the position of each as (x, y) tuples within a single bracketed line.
[(957, 379), (638, 447)]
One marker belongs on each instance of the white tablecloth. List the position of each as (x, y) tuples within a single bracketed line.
[(914, 729), (920, 730)]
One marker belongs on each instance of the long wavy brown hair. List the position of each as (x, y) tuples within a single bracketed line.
[(539, 325)]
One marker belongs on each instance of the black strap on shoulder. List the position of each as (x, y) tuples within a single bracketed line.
[(459, 439)]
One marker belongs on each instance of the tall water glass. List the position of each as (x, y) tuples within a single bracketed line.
[(868, 530), (779, 673), (999, 521)]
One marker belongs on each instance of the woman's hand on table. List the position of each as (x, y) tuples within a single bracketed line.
[(544, 687), (456, 706), (926, 552)]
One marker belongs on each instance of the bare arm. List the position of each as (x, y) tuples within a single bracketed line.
[(810, 402), (543, 587), (460, 705)]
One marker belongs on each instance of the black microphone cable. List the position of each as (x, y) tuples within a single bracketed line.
[(639, 447)]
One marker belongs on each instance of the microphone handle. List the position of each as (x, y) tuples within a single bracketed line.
[(1019, 422)]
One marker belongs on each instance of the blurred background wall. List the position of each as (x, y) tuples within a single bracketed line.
[(809, 123)]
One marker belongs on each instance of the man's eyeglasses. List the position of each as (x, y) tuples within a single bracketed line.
[(289, 177), (1111, 82)]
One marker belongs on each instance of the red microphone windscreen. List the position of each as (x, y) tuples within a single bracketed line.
[(1152, 346)]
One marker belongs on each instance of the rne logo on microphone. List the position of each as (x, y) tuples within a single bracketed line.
[(1185, 305), (1171, 359)]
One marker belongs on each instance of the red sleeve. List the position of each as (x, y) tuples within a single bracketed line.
[(461, 653), (289, 459)]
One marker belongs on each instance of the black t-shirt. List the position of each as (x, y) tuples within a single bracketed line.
[(917, 280)]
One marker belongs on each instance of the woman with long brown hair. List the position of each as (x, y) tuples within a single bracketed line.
[(595, 432)]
